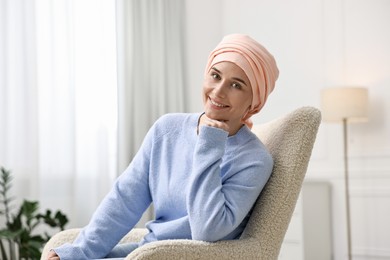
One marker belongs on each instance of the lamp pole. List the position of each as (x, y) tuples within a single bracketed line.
[(347, 188), (348, 104)]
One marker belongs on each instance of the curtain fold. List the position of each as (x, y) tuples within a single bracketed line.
[(58, 102), (81, 82), (151, 80)]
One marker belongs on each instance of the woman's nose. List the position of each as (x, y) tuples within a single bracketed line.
[(220, 89)]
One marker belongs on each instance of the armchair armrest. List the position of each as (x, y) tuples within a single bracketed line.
[(192, 249), (69, 235)]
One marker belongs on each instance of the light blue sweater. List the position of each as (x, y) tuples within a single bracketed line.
[(202, 186)]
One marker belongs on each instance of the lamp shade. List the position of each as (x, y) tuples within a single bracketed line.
[(350, 103)]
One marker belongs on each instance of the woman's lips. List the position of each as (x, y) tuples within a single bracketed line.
[(217, 104)]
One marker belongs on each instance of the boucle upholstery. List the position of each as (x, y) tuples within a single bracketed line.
[(290, 140)]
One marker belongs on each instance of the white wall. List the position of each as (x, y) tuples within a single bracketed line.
[(319, 43)]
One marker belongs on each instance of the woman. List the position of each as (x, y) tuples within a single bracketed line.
[(203, 172)]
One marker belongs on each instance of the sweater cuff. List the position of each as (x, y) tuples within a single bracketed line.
[(212, 136), (69, 251)]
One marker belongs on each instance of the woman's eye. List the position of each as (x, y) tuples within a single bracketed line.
[(215, 76), (236, 85)]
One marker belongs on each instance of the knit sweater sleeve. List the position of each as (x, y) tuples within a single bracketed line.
[(219, 198), (119, 211)]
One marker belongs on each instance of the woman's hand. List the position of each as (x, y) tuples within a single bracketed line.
[(52, 256), (204, 120)]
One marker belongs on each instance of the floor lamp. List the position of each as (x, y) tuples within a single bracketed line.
[(345, 105)]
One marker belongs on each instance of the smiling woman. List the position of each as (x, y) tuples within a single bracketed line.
[(202, 171), (227, 95), (253, 66)]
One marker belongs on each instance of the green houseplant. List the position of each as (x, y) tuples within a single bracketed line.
[(18, 236)]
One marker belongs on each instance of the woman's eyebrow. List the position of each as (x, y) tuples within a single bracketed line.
[(240, 80), (214, 68)]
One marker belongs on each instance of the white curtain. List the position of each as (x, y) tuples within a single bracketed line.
[(151, 79), (150, 68), (58, 102), (72, 116)]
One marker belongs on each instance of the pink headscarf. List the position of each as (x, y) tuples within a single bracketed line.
[(257, 63)]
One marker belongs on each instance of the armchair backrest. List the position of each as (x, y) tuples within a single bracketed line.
[(290, 140)]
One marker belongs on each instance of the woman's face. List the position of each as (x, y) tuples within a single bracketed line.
[(227, 94)]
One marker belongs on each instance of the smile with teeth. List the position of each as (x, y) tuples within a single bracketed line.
[(216, 104)]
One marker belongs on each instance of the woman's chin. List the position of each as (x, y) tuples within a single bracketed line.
[(216, 116)]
